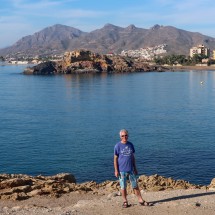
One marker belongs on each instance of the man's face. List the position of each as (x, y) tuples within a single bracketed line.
[(124, 137)]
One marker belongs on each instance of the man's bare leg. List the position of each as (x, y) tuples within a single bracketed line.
[(124, 195), (138, 194)]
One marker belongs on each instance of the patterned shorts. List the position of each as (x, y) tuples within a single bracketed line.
[(124, 176)]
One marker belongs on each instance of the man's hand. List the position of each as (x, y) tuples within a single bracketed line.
[(117, 174), (135, 172)]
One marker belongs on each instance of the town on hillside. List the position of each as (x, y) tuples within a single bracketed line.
[(199, 56)]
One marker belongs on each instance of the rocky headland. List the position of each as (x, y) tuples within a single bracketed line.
[(84, 61)]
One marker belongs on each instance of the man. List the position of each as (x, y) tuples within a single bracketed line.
[(125, 168)]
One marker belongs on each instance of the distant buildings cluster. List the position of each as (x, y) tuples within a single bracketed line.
[(200, 50), (146, 53), (29, 60)]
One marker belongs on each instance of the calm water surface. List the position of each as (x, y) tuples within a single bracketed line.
[(70, 123)]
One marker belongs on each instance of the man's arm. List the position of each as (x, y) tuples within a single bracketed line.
[(134, 164), (116, 167)]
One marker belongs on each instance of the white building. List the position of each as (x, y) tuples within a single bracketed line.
[(146, 53), (200, 50)]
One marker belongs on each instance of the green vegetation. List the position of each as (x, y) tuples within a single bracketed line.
[(182, 59)]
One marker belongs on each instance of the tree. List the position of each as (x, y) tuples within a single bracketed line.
[(197, 58), (181, 59), (171, 59)]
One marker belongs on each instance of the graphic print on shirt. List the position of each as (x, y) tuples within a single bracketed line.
[(127, 151)]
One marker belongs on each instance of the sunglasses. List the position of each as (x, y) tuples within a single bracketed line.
[(124, 135)]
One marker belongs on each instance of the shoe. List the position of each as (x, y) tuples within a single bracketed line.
[(144, 203), (125, 205)]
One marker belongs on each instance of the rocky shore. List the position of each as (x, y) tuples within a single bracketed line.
[(84, 61), (61, 194), (20, 187)]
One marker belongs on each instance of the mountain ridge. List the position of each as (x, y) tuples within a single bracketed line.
[(59, 38)]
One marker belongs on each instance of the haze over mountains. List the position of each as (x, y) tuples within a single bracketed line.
[(60, 38)]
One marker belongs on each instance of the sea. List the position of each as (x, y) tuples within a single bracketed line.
[(71, 123)]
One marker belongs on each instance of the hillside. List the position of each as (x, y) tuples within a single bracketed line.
[(60, 38)]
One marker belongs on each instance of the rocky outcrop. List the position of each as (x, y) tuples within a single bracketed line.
[(212, 185), (20, 187), (158, 183), (47, 68), (83, 61)]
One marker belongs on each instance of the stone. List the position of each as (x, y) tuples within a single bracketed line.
[(21, 189), (15, 208), (34, 193), (65, 177), (197, 204), (14, 182)]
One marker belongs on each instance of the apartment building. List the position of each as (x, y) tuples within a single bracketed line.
[(200, 49)]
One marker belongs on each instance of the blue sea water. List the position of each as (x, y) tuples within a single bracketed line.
[(70, 123)]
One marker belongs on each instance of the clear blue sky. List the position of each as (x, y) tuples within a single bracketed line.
[(19, 18)]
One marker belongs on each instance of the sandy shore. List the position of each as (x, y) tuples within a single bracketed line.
[(191, 201)]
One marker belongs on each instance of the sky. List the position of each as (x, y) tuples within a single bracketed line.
[(19, 18)]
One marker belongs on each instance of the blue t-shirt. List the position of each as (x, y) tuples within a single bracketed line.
[(124, 152)]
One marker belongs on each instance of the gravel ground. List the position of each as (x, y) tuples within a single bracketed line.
[(193, 201)]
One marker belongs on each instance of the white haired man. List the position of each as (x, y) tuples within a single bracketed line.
[(125, 168)]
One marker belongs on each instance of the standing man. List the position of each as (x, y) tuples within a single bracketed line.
[(125, 168)]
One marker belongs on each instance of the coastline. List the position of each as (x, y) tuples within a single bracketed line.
[(83, 61), (60, 195), (182, 68)]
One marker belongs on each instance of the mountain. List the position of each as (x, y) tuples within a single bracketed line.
[(54, 39), (60, 38)]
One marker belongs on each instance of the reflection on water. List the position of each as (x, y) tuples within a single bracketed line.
[(70, 123)]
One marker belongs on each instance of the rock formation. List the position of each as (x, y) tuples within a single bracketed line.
[(20, 187), (212, 185), (84, 61)]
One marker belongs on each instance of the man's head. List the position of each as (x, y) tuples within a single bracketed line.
[(123, 135)]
